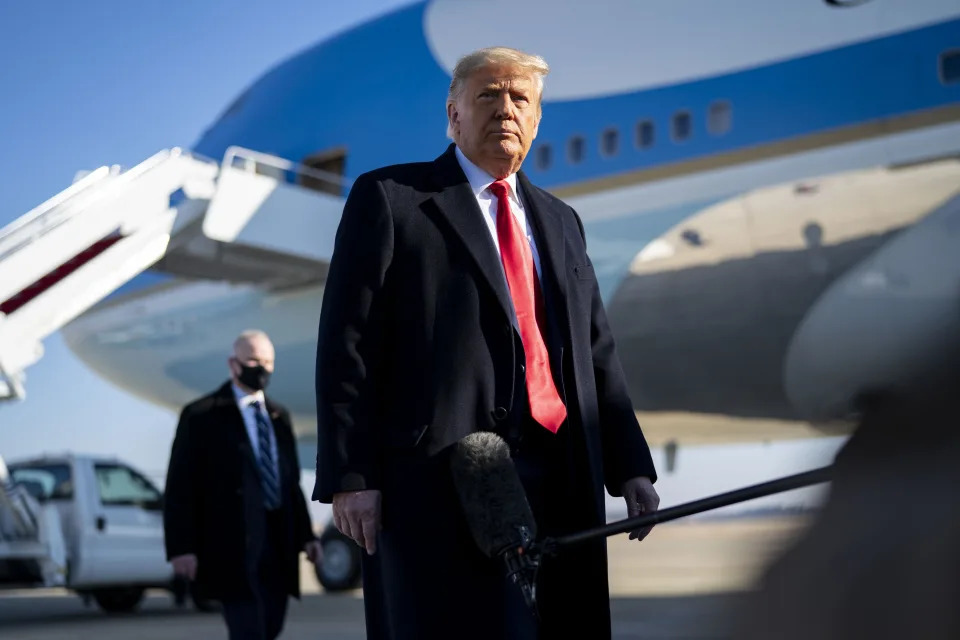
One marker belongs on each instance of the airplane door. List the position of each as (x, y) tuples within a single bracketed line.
[(126, 546)]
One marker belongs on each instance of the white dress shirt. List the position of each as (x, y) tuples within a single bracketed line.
[(480, 180), (245, 404)]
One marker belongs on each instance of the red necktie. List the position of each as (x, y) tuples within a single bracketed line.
[(546, 407)]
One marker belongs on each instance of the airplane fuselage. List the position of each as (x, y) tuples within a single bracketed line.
[(728, 182)]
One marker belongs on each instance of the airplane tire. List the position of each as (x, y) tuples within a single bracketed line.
[(340, 568), (118, 599)]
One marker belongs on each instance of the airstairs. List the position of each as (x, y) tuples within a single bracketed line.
[(79, 246), (75, 249)]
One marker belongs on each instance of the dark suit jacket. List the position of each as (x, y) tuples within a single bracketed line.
[(416, 349), (213, 504)]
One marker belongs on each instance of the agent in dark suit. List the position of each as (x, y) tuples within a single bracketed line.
[(235, 518), (460, 297)]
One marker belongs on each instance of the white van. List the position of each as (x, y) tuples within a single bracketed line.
[(111, 521), (95, 526)]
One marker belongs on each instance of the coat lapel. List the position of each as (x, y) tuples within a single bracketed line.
[(228, 406), (457, 204), (551, 242)]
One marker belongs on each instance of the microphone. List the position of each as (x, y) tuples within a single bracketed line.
[(496, 508)]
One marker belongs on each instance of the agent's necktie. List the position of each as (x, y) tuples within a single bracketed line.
[(268, 470)]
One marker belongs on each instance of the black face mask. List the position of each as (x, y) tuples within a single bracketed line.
[(256, 377)]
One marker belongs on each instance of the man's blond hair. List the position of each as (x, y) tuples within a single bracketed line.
[(481, 58)]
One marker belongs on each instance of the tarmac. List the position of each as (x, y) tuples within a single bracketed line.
[(688, 580)]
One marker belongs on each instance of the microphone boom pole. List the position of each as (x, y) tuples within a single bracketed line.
[(816, 476)]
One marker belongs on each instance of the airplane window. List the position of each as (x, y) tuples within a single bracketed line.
[(644, 134), (682, 126), (610, 142), (950, 67), (575, 148), (543, 157), (719, 117)]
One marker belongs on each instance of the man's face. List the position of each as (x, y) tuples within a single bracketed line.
[(496, 117), (251, 352)]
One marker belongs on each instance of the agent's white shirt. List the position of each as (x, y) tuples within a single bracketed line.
[(245, 404), (480, 180)]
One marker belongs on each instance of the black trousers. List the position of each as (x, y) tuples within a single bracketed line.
[(261, 616), (543, 463), (430, 581), (549, 467)]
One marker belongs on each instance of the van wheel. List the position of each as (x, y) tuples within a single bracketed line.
[(118, 599), (340, 568)]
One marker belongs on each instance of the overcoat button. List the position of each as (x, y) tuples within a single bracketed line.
[(499, 413)]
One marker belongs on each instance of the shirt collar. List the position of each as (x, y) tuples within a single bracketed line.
[(480, 179), (245, 399)]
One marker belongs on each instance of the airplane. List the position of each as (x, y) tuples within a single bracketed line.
[(770, 192)]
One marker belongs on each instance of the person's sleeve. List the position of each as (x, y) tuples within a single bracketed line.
[(626, 453), (348, 344), (181, 500), (302, 523)]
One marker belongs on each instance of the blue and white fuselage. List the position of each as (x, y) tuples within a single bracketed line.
[(749, 174)]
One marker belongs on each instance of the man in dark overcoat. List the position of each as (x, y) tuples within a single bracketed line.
[(460, 298), (235, 517)]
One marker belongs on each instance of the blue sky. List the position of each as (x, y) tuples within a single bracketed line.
[(112, 82)]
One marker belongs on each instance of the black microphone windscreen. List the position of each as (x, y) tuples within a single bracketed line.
[(491, 493)]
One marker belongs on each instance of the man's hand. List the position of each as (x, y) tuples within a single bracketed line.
[(314, 551), (356, 514), (641, 498), (185, 566)]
